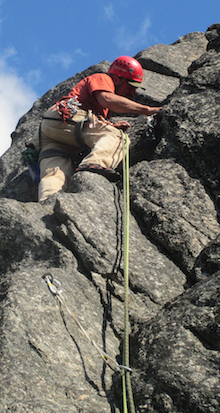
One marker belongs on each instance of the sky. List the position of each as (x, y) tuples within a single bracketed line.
[(44, 42)]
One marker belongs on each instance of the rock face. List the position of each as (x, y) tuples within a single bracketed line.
[(47, 363)]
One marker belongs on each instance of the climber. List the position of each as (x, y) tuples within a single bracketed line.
[(80, 120)]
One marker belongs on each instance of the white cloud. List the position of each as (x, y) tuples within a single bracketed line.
[(125, 40), (34, 77), (65, 60), (16, 98), (5, 55), (61, 58), (109, 13), (79, 52)]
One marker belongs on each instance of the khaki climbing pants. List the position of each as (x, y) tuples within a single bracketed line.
[(105, 142)]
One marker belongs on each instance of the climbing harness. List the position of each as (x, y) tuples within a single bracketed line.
[(126, 379), (32, 157), (66, 108), (55, 289)]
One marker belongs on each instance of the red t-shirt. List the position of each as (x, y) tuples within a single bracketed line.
[(85, 88)]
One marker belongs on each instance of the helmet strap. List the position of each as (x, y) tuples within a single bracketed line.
[(118, 81)]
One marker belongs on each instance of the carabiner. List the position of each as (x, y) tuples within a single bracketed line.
[(53, 285)]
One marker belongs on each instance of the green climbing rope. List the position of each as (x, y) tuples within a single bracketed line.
[(126, 379)]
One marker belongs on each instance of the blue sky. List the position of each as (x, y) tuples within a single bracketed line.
[(44, 42)]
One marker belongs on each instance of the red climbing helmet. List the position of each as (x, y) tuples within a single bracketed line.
[(128, 67)]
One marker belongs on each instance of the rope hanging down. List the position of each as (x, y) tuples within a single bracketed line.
[(55, 289), (126, 379)]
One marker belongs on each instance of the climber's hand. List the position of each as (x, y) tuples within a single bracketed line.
[(122, 124)]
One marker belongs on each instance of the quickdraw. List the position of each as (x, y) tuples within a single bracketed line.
[(67, 107)]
